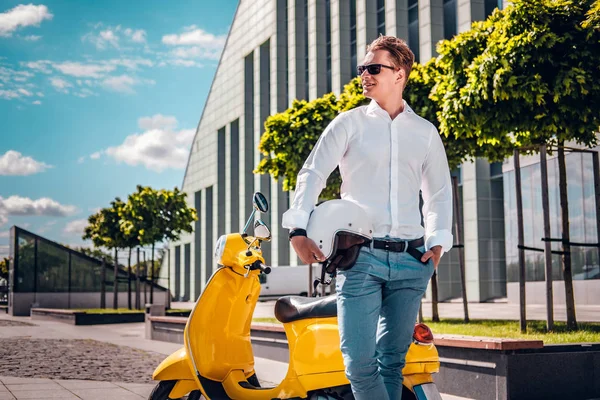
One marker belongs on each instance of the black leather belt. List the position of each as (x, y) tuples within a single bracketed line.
[(397, 247)]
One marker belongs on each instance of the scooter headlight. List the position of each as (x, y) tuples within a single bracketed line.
[(220, 249)]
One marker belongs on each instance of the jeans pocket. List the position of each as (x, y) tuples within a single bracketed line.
[(351, 283)]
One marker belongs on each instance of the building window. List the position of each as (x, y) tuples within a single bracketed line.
[(496, 170), (449, 18), (491, 5), (380, 17), (328, 41), (413, 27), (353, 36)]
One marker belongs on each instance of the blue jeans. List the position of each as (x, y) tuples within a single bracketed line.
[(378, 301)]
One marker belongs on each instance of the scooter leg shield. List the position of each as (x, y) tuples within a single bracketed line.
[(174, 367)]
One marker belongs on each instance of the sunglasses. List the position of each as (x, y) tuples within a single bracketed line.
[(373, 69)]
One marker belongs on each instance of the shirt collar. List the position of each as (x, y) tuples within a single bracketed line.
[(374, 108)]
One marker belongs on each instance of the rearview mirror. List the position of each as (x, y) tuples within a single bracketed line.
[(260, 202), (262, 231)]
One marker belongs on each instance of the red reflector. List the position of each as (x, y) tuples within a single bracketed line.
[(422, 334)]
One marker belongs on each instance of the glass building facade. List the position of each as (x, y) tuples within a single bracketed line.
[(582, 219)]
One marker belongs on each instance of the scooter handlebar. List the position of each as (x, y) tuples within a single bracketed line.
[(258, 265)]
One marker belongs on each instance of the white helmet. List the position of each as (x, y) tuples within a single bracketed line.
[(339, 228)]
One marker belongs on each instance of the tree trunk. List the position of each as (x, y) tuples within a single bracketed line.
[(138, 270), (435, 316), (461, 251), (103, 284), (547, 243), (116, 282), (521, 243), (566, 239), (152, 277), (129, 279)]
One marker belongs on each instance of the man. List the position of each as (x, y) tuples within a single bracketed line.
[(386, 155)]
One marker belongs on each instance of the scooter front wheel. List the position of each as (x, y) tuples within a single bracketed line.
[(163, 388)]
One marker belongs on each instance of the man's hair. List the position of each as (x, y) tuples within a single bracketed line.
[(400, 54)]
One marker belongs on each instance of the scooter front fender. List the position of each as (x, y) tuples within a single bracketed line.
[(175, 367)]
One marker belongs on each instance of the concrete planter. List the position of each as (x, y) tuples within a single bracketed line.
[(75, 317)]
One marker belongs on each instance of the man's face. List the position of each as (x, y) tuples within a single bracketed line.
[(388, 83)]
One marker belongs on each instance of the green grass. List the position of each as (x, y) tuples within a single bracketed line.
[(178, 310), (589, 332), (110, 311)]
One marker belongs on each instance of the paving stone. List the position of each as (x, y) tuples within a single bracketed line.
[(6, 396), (45, 394), (79, 384), (104, 394), (14, 380), (33, 386)]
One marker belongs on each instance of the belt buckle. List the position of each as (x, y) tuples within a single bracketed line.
[(386, 245)]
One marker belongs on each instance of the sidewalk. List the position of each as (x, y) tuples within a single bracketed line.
[(131, 335), (37, 388)]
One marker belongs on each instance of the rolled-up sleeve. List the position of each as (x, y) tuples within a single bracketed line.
[(312, 178), (436, 189)]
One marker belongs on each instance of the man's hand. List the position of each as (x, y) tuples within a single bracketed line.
[(436, 253), (307, 250)]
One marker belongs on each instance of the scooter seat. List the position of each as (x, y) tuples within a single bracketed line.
[(294, 308)]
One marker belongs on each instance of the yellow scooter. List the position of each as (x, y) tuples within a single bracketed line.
[(217, 361)]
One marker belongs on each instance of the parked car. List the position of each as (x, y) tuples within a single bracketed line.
[(287, 280)]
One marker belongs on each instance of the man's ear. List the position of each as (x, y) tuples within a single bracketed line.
[(401, 76)]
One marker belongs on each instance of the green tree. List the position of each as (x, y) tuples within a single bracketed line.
[(4, 268), (152, 216), (526, 76)]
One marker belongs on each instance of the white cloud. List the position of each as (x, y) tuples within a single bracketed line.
[(85, 92), (96, 155), (25, 92), (81, 160), (136, 36), (4, 234), (158, 148), (158, 121), (195, 36), (111, 36), (22, 16), (32, 38), (108, 36), (37, 102), (80, 70), (181, 63), (41, 65), (132, 64), (24, 206), (9, 94), (60, 84), (124, 83), (76, 227), (40, 94), (196, 52), (14, 163)]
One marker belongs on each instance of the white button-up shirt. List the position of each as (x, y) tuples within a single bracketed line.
[(384, 163)]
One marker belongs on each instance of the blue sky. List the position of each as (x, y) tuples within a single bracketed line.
[(95, 98)]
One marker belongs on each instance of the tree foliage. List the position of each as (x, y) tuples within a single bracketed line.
[(4, 268), (104, 228), (527, 75), (152, 216)]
